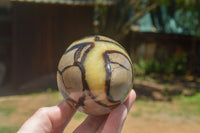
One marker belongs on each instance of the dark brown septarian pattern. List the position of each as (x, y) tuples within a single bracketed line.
[(97, 38), (108, 69), (83, 93), (78, 61)]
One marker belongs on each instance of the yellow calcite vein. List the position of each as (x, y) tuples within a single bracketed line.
[(95, 69)]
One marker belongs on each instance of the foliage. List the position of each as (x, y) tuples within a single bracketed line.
[(118, 21), (174, 65), (193, 100), (140, 67)]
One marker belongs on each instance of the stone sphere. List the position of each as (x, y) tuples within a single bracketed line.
[(96, 74)]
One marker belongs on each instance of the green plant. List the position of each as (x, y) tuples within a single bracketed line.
[(191, 99), (154, 66), (172, 65), (140, 67)]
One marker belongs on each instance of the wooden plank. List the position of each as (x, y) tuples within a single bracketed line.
[(41, 33)]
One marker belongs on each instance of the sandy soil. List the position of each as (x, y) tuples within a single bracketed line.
[(144, 125), (156, 122)]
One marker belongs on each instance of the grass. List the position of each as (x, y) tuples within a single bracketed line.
[(195, 99), (147, 107), (184, 107), (14, 110), (8, 129), (146, 103), (137, 113), (7, 110), (187, 107), (79, 115)]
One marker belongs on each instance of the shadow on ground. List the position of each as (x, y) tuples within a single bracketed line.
[(163, 90), (145, 89), (35, 86)]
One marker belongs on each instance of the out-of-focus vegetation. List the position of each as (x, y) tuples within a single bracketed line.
[(183, 16), (182, 107), (166, 16), (174, 65), (120, 20), (8, 129)]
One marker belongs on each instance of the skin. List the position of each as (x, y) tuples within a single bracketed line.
[(55, 119)]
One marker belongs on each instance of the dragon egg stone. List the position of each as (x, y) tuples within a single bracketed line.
[(96, 74)]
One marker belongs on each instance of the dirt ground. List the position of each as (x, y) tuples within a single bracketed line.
[(148, 122), (141, 125), (147, 116), (159, 123)]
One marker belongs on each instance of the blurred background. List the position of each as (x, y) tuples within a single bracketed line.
[(162, 38)]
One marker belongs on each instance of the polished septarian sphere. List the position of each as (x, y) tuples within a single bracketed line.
[(96, 74)]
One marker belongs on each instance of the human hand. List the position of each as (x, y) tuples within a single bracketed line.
[(54, 119)]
